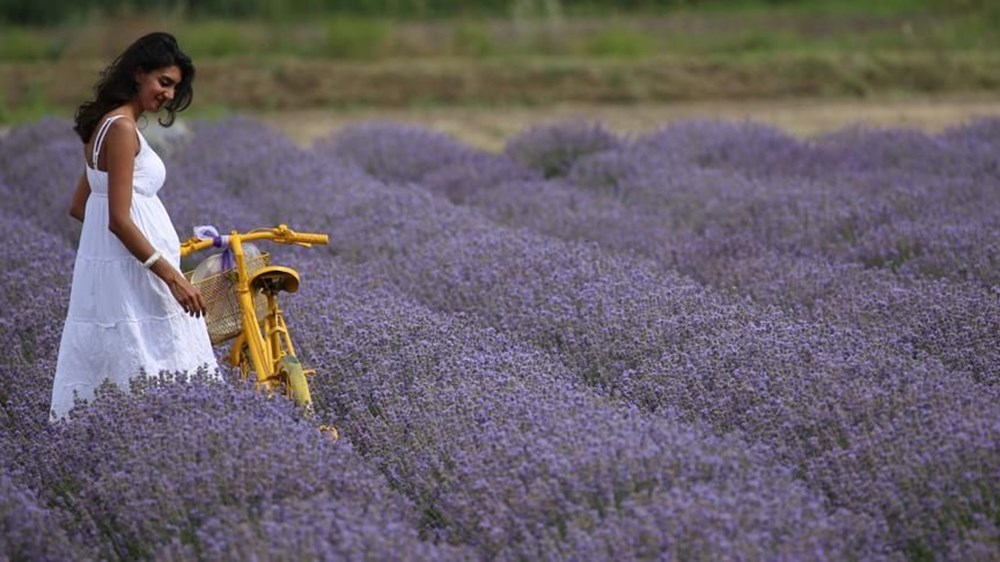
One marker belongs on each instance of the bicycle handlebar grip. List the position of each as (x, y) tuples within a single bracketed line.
[(192, 245), (313, 238)]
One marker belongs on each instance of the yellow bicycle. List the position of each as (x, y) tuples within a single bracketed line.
[(241, 303)]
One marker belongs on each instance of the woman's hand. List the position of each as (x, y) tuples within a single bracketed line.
[(187, 296)]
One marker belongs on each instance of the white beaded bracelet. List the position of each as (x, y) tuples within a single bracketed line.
[(152, 259)]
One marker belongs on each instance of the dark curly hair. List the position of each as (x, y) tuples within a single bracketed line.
[(117, 84)]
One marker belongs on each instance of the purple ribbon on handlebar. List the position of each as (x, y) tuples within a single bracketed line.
[(209, 232)]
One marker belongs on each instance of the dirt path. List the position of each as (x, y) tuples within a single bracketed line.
[(489, 127)]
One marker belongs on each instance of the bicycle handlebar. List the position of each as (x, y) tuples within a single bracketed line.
[(280, 234), (306, 238)]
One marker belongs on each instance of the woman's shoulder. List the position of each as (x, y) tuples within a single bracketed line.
[(111, 119), (122, 127), (118, 121)]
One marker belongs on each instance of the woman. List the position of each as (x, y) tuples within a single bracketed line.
[(131, 310)]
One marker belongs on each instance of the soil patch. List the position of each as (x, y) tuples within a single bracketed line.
[(490, 127)]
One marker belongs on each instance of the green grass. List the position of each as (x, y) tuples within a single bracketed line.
[(356, 38), (815, 48), (218, 38), (621, 42), (28, 44), (34, 107), (881, 8), (316, 83), (735, 26), (473, 39)]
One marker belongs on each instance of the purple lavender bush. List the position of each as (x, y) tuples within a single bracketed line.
[(393, 153), (552, 149), (507, 452), (215, 470), (712, 341), (40, 165), (28, 530), (477, 173), (35, 293), (494, 281), (728, 219)]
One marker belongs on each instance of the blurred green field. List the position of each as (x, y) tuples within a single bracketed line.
[(269, 54), (61, 11), (526, 28)]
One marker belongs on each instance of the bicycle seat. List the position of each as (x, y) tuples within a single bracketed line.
[(274, 278)]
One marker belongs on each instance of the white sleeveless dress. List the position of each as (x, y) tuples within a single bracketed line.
[(122, 320)]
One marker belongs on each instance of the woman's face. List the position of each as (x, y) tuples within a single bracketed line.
[(157, 87)]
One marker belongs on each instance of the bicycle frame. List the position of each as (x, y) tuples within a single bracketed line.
[(277, 342), (266, 350)]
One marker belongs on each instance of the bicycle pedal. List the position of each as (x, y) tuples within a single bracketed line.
[(331, 431), (309, 372)]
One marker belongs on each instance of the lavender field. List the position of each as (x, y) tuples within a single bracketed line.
[(712, 342)]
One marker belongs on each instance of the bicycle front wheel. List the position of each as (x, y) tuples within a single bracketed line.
[(293, 382)]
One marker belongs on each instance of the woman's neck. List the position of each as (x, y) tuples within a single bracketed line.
[(132, 109)]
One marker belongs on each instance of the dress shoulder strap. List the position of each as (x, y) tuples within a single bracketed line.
[(101, 133)]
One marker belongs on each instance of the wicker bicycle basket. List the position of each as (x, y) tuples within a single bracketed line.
[(222, 307)]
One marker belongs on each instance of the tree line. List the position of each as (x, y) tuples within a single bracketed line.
[(19, 12)]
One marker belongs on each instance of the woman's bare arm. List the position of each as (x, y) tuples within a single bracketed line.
[(78, 204), (122, 144)]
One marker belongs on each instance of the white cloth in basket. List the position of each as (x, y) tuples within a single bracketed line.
[(122, 319), (215, 277)]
